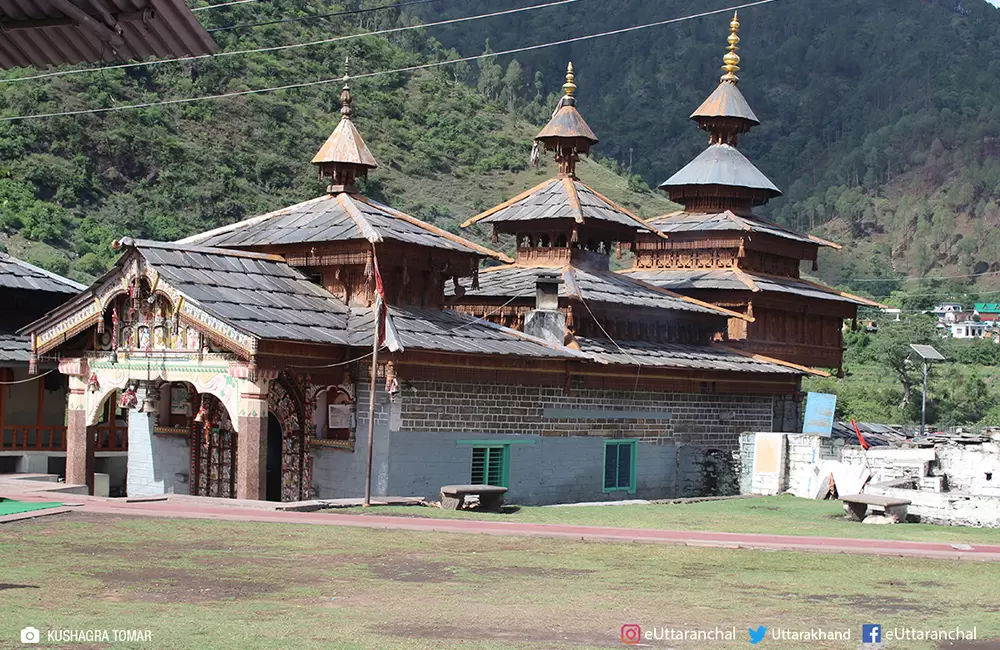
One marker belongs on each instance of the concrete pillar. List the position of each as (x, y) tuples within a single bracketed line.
[(251, 447)]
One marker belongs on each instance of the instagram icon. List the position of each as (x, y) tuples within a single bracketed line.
[(631, 633)]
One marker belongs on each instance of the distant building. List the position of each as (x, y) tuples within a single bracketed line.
[(988, 311), (970, 329)]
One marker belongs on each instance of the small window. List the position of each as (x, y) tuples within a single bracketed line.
[(619, 465), (490, 465)]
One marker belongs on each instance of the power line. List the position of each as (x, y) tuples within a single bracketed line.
[(412, 68), (928, 278), (222, 4), (277, 48), (349, 12)]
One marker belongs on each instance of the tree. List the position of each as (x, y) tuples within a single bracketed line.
[(891, 348), (513, 81), (490, 75)]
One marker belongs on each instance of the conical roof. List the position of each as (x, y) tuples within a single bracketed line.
[(726, 101), (722, 164), (345, 145)]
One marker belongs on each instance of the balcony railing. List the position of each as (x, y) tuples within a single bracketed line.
[(110, 437)]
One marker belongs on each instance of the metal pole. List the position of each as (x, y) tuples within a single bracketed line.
[(923, 407), (371, 413)]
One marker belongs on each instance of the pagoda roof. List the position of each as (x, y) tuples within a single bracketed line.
[(740, 280), (693, 222), (567, 122), (713, 358), (345, 145), (726, 101), (593, 286), (337, 218), (560, 198), (40, 33), (18, 274), (450, 331), (721, 164)]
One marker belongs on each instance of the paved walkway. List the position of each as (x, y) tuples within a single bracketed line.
[(190, 509)]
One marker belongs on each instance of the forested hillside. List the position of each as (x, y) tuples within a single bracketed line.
[(880, 122)]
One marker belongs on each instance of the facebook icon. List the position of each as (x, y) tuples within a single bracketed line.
[(871, 634)]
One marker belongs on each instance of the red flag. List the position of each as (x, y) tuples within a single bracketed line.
[(387, 334), (861, 438)]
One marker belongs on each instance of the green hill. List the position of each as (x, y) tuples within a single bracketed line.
[(70, 185), (880, 121)]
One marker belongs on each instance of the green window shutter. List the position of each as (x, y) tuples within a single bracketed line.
[(619, 465), (490, 465)]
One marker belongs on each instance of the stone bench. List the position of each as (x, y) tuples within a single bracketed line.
[(856, 506), (490, 496)]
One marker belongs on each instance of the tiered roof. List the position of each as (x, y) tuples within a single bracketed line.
[(18, 274)]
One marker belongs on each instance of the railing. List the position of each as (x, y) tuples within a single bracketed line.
[(110, 437)]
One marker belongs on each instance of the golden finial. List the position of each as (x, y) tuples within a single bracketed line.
[(569, 87), (345, 93), (732, 59)]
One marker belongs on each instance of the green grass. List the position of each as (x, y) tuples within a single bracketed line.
[(780, 515), (205, 584), (11, 507)]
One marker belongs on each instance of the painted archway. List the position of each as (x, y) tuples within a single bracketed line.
[(213, 450), (287, 401)]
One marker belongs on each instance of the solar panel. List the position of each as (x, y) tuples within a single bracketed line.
[(927, 352)]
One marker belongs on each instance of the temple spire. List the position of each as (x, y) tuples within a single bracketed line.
[(731, 60), (567, 133), (344, 156)]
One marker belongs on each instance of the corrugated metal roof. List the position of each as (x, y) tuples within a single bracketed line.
[(254, 293), (17, 274), (668, 355), (596, 286), (724, 279), (332, 218), (726, 101), (39, 33), (560, 198), (721, 164), (679, 222), (14, 348), (450, 331)]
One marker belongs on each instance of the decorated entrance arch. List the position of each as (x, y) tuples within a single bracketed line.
[(288, 400)]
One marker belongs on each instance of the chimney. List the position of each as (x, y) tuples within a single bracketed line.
[(545, 321)]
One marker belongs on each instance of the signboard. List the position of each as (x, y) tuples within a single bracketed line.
[(820, 408), (339, 416)]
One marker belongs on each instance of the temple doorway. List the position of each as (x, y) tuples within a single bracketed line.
[(274, 447), (213, 450)]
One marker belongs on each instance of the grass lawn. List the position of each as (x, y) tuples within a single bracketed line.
[(779, 515), (206, 584)]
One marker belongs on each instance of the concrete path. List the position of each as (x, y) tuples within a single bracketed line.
[(189, 508)]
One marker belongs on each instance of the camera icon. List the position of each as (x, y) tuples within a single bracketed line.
[(30, 635)]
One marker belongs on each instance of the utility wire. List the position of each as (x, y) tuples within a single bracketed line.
[(25, 381), (222, 4), (299, 19), (412, 68), (277, 48)]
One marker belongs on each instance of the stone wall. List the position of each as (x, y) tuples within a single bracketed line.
[(711, 420), (556, 441)]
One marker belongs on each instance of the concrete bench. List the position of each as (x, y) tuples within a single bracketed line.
[(490, 496), (856, 506)]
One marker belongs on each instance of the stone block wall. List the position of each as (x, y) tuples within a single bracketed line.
[(556, 441), (709, 420)]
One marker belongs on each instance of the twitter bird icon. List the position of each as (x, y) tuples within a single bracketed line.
[(756, 636)]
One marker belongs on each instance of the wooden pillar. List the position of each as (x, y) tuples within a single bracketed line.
[(251, 447), (79, 441)]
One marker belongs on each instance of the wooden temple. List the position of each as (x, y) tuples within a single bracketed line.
[(716, 250), (566, 233), (240, 355)]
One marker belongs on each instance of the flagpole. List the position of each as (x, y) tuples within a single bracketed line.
[(371, 409)]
